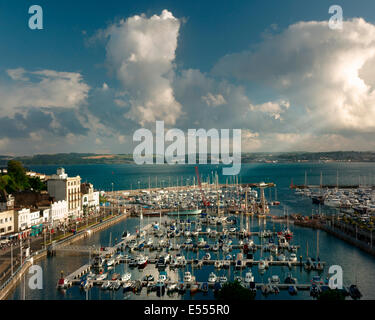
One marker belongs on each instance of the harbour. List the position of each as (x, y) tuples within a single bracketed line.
[(305, 239)]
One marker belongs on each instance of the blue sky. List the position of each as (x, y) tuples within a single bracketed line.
[(217, 75)]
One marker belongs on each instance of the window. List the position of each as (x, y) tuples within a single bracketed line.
[(1, 220), (9, 228)]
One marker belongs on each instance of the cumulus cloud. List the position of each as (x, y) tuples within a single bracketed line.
[(275, 109), (44, 88), (326, 75), (141, 50), (214, 100)]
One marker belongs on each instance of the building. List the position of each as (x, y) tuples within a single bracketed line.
[(6, 201), (90, 199), (62, 187), (7, 222), (58, 212)]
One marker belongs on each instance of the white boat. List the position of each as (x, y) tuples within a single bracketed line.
[(262, 265), (102, 276), (212, 278), (111, 262), (249, 277), (293, 257), (207, 256), (281, 257), (126, 276), (187, 277), (223, 279), (218, 264), (275, 279), (106, 285)]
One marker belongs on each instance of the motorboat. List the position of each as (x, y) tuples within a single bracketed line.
[(207, 256), (218, 264), (293, 257), (223, 279), (262, 265), (187, 277), (212, 278), (126, 276), (125, 235), (275, 279), (292, 290), (290, 280), (249, 277), (203, 287), (142, 261), (101, 276), (106, 285)]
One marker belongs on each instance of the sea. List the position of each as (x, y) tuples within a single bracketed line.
[(358, 267)]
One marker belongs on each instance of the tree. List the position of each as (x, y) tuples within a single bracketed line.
[(18, 174), (234, 291)]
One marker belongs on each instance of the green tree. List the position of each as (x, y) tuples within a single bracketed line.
[(18, 174), (234, 291)]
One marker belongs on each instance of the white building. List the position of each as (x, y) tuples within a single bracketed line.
[(6, 222), (66, 188), (90, 198), (58, 212), (23, 222)]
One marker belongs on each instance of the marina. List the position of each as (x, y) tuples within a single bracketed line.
[(190, 256)]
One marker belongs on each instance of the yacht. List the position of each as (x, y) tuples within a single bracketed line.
[(293, 257), (223, 279), (187, 277), (207, 256), (106, 285), (212, 278), (262, 265), (218, 264), (249, 277), (275, 279), (126, 276), (142, 261), (125, 235), (102, 276)]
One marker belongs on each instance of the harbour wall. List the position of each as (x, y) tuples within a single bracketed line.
[(335, 231)]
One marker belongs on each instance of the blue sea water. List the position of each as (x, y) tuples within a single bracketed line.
[(358, 267)]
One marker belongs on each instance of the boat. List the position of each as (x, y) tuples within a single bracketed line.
[(62, 283), (203, 287), (85, 284), (292, 290), (275, 279), (116, 285), (171, 287), (293, 257), (194, 287), (212, 278), (218, 264), (142, 261), (126, 276), (290, 280), (223, 279), (111, 262), (226, 264), (106, 285), (187, 277), (101, 276), (207, 256), (125, 235), (262, 265), (127, 286), (315, 290), (185, 213), (249, 277)]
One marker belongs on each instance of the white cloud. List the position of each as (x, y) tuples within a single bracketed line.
[(214, 100), (45, 88), (142, 50), (327, 73), (275, 109)]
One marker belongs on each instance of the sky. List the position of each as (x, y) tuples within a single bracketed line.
[(100, 70)]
